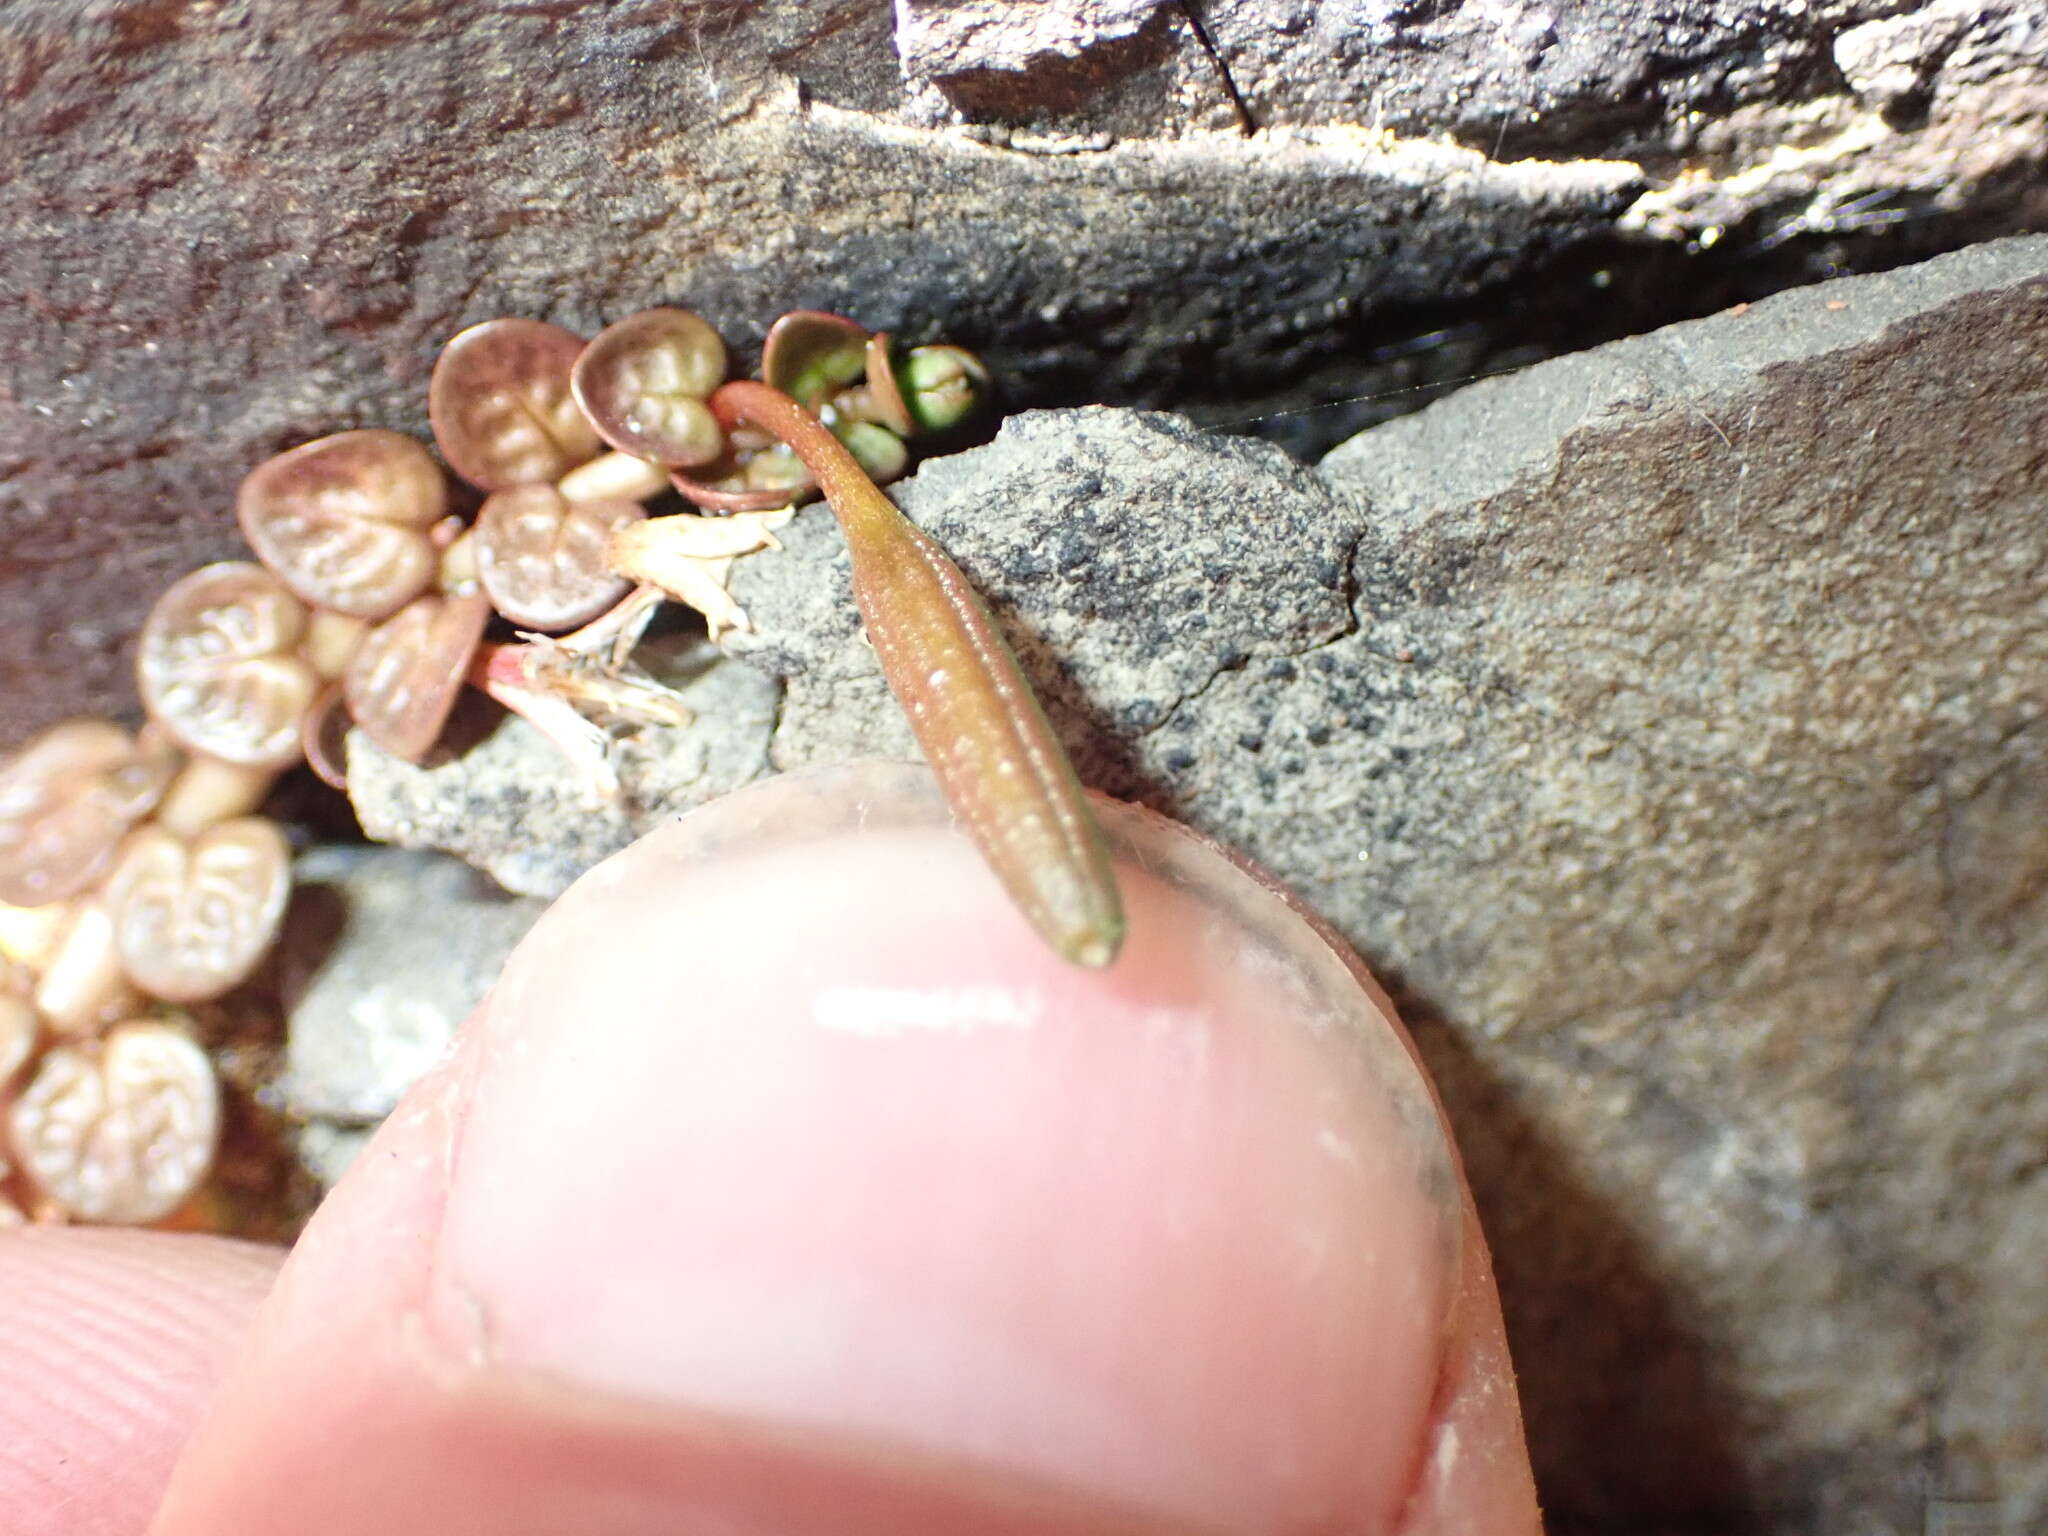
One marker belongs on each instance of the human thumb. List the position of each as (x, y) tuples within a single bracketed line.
[(787, 1184)]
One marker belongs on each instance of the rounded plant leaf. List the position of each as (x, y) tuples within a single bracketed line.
[(81, 988), (811, 355), (404, 678), (501, 407), (642, 383), (192, 920), (885, 396), (777, 469), (731, 493), (614, 477), (541, 557), (18, 1029), (66, 801), (343, 521), (218, 669), (122, 1130), (324, 734)]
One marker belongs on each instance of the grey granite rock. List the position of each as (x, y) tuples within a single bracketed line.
[(227, 228), (385, 952), (1670, 723), (504, 798), (1015, 60), (1141, 559), (1722, 844)]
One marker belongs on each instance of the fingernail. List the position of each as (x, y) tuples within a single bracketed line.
[(784, 1117)]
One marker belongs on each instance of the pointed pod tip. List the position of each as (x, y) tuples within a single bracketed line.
[(1094, 946)]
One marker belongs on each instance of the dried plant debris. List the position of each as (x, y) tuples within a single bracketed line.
[(139, 889), (690, 558)]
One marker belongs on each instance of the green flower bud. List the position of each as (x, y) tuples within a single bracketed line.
[(942, 385), (810, 355)]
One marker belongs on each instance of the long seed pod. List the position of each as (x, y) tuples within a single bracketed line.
[(982, 731)]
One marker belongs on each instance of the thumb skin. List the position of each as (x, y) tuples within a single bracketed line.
[(786, 1184), (109, 1342)]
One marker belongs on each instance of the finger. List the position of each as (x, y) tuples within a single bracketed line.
[(109, 1343), (787, 1182)]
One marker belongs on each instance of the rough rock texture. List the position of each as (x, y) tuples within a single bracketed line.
[(1725, 844), (228, 228), (1670, 723), (1012, 60), (1770, 105), (385, 952), (504, 798), (1143, 560)]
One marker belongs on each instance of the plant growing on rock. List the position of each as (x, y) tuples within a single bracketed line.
[(401, 684), (118, 1129), (541, 556), (193, 917), (219, 667), (136, 880), (345, 521), (500, 405), (67, 800)]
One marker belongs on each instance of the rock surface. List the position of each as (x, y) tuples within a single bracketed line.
[(506, 800), (1670, 724), (385, 952), (228, 228), (1725, 846)]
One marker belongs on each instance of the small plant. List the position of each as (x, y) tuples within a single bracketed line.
[(136, 880), (541, 557), (348, 522)]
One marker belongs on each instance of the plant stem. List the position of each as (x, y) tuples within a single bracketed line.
[(996, 759)]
